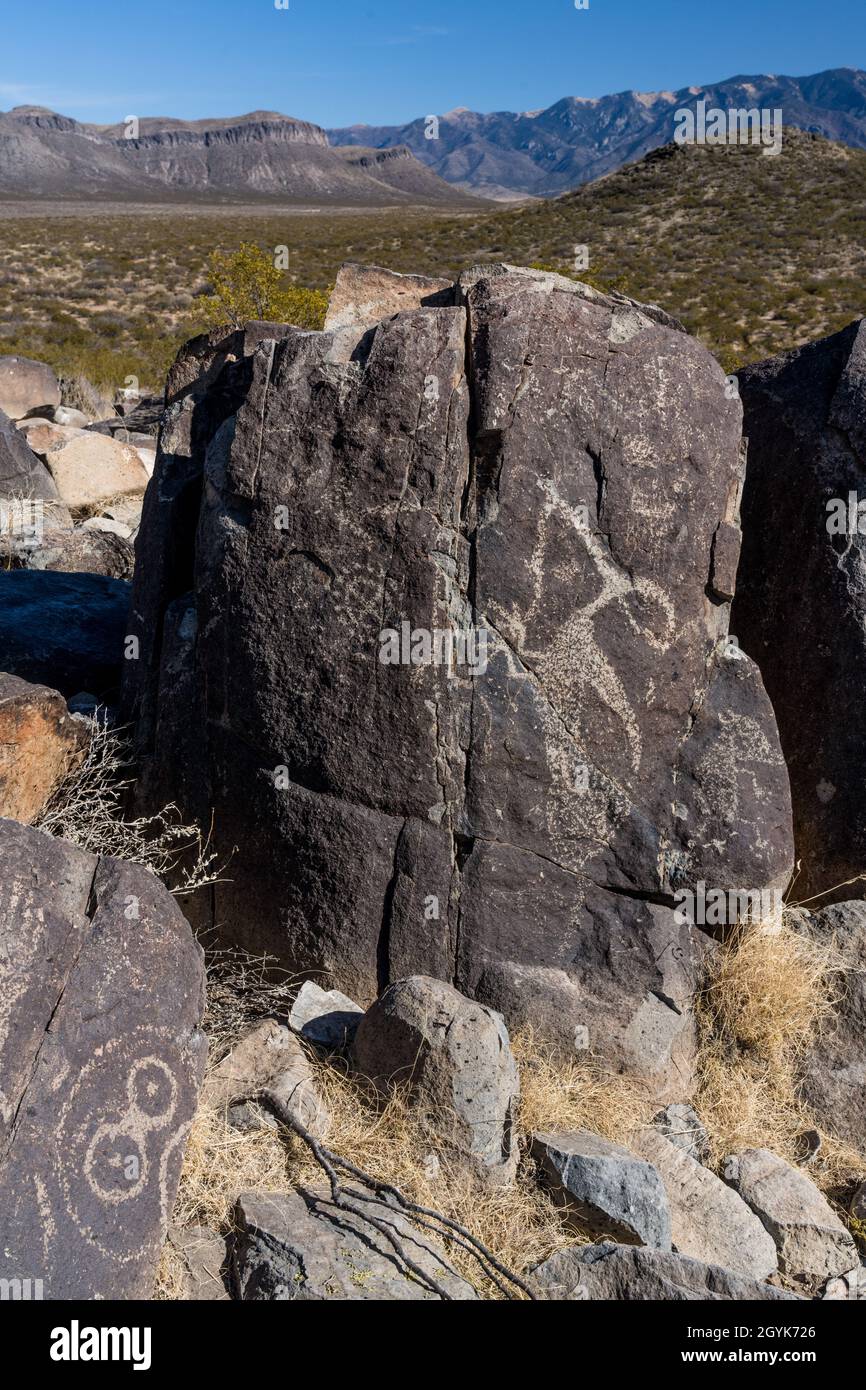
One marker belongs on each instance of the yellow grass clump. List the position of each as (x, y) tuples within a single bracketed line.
[(770, 989)]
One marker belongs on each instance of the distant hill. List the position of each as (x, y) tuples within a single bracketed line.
[(578, 139), (261, 155), (754, 254)]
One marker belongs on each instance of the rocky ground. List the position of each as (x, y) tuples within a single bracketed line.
[(374, 964)]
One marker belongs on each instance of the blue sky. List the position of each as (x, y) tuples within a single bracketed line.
[(385, 61)]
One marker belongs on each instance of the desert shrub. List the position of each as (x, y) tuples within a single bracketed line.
[(247, 285), (87, 808)]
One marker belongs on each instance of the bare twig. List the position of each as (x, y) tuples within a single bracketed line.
[(342, 1197)]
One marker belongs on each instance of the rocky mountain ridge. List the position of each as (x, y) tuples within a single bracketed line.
[(577, 139), (259, 155)]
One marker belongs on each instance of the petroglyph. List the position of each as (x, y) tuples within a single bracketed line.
[(109, 1065)]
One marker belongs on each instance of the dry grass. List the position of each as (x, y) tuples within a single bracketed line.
[(770, 990), (563, 1095), (87, 808), (519, 1224), (79, 393)]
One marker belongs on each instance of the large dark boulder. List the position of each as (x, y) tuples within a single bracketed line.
[(63, 630), (834, 1067), (550, 467), (100, 1064), (801, 591), (299, 1246)]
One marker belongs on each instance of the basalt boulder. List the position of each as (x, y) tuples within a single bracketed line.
[(435, 626), (834, 1067), (101, 1058), (63, 630), (801, 593)]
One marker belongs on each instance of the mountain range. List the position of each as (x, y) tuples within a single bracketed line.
[(503, 155), (577, 139), (260, 155)]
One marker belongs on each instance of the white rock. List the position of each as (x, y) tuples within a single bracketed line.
[(107, 523), (65, 415), (811, 1240), (324, 1017), (709, 1221), (92, 468)]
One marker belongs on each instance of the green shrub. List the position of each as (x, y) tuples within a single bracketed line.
[(247, 285)]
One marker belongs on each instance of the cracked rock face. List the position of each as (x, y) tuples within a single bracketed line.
[(628, 1273), (99, 1072), (551, 476), (801, 596)]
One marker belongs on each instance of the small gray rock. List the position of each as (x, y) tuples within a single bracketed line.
[(456, 1058), (324, 1016), (631, 1273), (604, 1187), (108, 525), (846, 1287), (298, 1245), (812, 1242), (268, 1062), (84, 550), (65, 415), (709, 1221)]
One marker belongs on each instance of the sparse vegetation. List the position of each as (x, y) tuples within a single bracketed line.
[(766, 992), (755, 255), (247, 285), (87, 808)]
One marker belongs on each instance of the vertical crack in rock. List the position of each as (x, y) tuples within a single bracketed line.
[(89, 907), (272, 348), (383, 945)]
